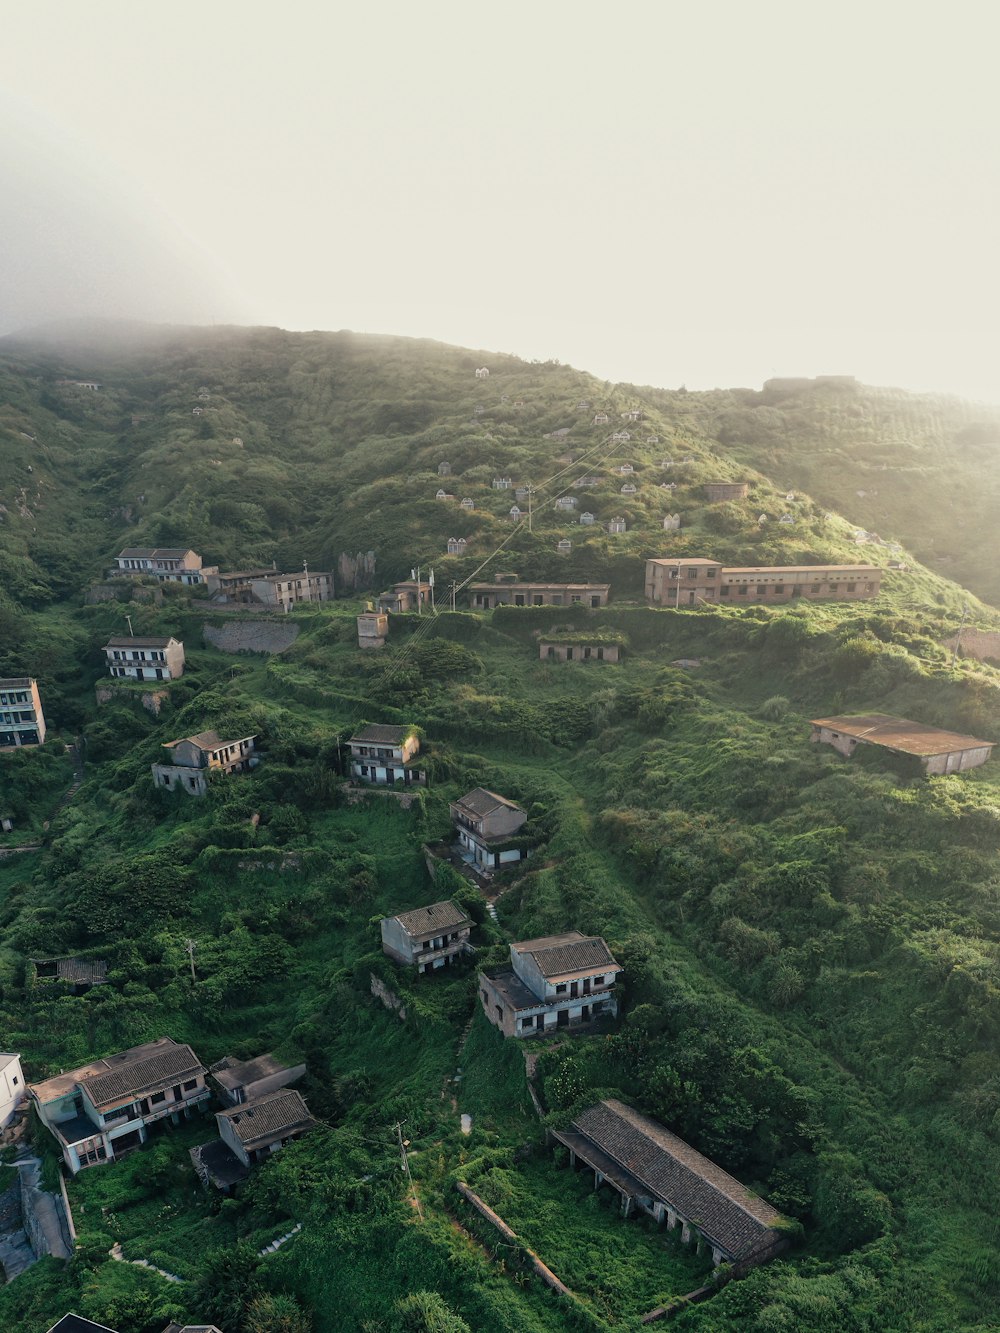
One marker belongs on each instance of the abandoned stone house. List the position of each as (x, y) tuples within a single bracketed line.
[(22, 721), (268, 587), (658, 1173), (576, 649), (195, 758), (484, 596), (556, 981), (241, 1081), (145, 659), (79, 974), (385, 755), (428, 937), (173, 564), (692, 581), (936, 750), (487, 826), (102, 1110), (253, 1130), (373, 629), (717, 491)]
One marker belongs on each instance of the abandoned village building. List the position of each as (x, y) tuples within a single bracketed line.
[(145, 659), (487, 826), (557, 981), (936, 750), (171, 564), (195, 758), (694, 581), (428, 937), (385, 754), (22, 721), (657, 1172), (510, 592)]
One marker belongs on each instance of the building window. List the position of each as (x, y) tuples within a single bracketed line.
[(851, 587), (724, 590), (710, 573), (779, 587), (157, 1098), (190, 1085), (814, 588), (761, 589), (742, 590), (561, 988), (692, 573)]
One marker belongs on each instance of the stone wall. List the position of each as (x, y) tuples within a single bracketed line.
[(151, 699), (983, 644), (388, 997), (239, 636)]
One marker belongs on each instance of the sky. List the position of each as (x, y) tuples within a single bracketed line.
[(661, 192)]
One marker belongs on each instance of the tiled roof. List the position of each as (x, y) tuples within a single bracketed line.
[(82, 971), (581, 955), (439, 916), (481, 802), (724, 1210), (206, 740), (237, 1073), (807, 570), (75, 1323), (898, 733), (151, 552), (270, 1117), (175, 1063), (377, 734), (131, 641)]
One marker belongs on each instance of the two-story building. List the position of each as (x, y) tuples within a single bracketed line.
[(695, 581), (557, 981), (172, 564), (103, 1110), (196, 757), (22, 721), (133, 658), (385, 754), (12, 1089), (253, 1130), (486, 824), (282, 592), (512, 592), (428, 937)]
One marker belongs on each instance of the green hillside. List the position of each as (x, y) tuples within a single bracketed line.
[(811, 946)]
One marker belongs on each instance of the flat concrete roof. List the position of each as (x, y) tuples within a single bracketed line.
[(899, 733)]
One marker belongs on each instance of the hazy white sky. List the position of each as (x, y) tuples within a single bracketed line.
[(703, 193)]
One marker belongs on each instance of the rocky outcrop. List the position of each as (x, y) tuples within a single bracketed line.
[(355, 571)]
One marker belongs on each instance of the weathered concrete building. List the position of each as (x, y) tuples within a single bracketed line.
[(407, 595), (937, 751), (657, 1172), (385, 755), (486, 824), (693, 581), (133, 658), (12, 1088), (577, 649), (373, 629), (511, 592), (196, 757), (242, 1081), (102, 1110), (428, 937), (555, 982), (22, 721), (253, 1130), (172, 564)]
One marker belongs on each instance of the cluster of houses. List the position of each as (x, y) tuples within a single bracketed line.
[(109, 1108), (251, 587)]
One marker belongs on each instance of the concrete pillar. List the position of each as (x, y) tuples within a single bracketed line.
[(685, 1234), (671, 1219), (717, 1257), (700, 1243), (572, 1159), (598, 1179), (658, 1211), (627, 1202)]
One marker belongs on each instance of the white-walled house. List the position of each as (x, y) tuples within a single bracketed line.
[(173, 564), (102, 1110), (145, 659), (12, 1089), (428, 937), (385, 754), (556, 981)]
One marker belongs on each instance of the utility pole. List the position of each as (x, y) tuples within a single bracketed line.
[(430, 581), (189, 948), (130, 629), (958, 636), (530, 490), (454, 589), (403, 1145), (415, 576)]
